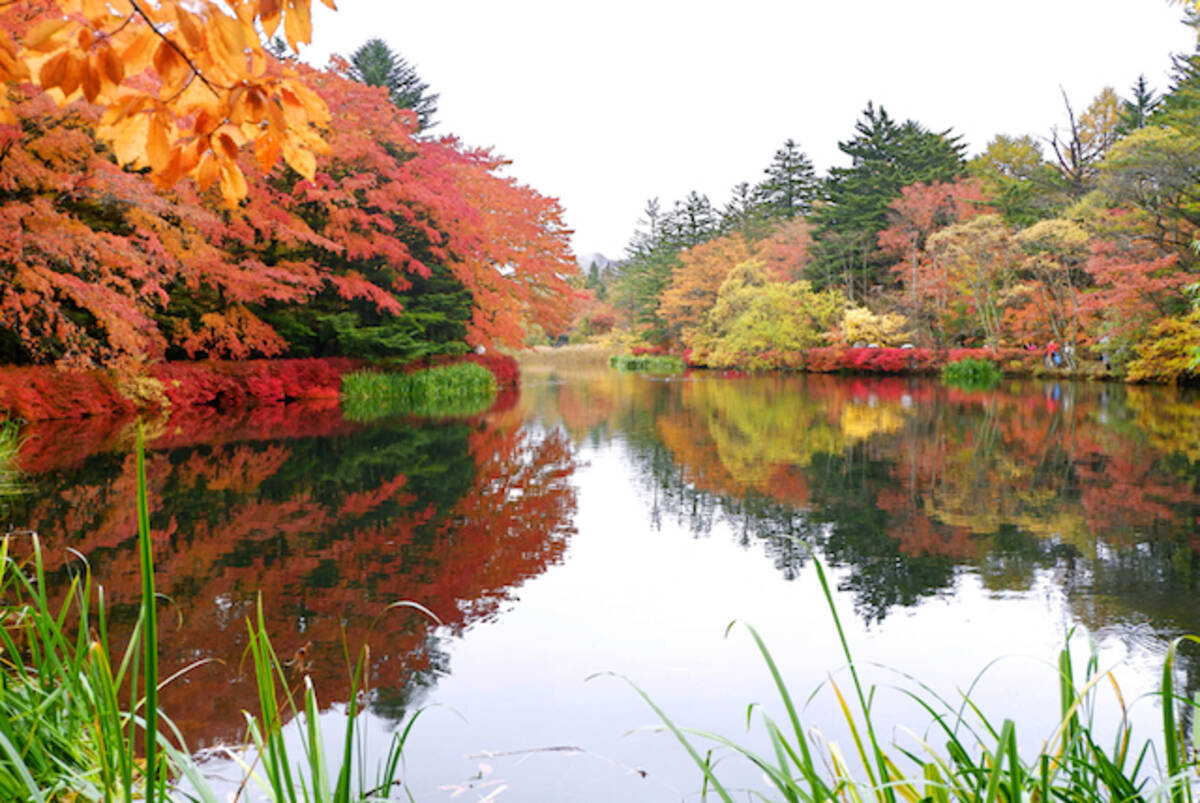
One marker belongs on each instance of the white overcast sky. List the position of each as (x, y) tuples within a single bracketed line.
[(605, 105)]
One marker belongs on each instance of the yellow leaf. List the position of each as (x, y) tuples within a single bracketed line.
[(207, 171), (233, 183), (232, 38), (42, 36), (129, 138), (300, 160), (297, 26)]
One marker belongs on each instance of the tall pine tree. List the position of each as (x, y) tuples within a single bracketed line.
[(885, 156), (791, 184), (375, 64)]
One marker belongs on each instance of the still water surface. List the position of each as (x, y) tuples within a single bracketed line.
[(601, 522)]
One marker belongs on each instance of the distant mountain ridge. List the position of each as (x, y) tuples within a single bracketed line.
[(585, 260)]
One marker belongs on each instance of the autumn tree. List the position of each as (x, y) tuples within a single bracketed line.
[(695, 281), (1156, 169), (1022, 185), (1134, 287), (1046, 303), (1079, 149), (974, 263), (786, 250), (921, 210), (755, 323)]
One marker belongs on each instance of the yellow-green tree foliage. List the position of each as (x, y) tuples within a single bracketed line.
[(860, 325), (759, 324), (974, 262), (1168, 352)]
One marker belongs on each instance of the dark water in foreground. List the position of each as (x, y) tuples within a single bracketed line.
[(606, 522)]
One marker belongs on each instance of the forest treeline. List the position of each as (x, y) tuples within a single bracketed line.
[(315, 216), (1085, 238)]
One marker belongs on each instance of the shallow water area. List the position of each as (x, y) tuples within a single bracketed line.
[(608, 526)]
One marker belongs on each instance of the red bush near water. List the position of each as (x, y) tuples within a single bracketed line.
[(229, 384), (39, 394)]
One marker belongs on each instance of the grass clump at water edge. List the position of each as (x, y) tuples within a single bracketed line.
[(462, 389), (971, 757), (972, 374), (647, 363), (80, 723)]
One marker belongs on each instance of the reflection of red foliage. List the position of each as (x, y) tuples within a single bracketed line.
[(376, 545)]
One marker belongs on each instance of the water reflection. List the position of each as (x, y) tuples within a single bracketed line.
[(906, 482), (902, 484), (329, 521)]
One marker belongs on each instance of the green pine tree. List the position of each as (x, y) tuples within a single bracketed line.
[(886, 156), (375, 64)]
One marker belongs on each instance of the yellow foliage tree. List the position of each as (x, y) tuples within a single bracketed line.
[(185, 85), (859, 324)]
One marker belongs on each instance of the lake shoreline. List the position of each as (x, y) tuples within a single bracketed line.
[(48, 393)]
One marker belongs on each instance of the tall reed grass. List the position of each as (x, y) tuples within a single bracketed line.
[(10, 444), (78, 722), (974, 757), (461, 389), (972, 374), (648, 363)]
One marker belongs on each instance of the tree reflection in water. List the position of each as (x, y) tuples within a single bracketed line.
[(330, 521)]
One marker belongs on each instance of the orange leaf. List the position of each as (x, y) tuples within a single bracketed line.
[(188, 27), (72, 74), (52, 72), (91, 72), (170, 66), (158, 142), (225, 145), (137, 55), (114, 68)]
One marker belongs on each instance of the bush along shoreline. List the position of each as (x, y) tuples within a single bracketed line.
[(888, 360), (40, 393)]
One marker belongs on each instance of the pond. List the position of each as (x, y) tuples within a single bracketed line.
[(613, 523)]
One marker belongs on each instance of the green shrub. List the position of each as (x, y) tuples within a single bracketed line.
[(459, 390), (971, 373)]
